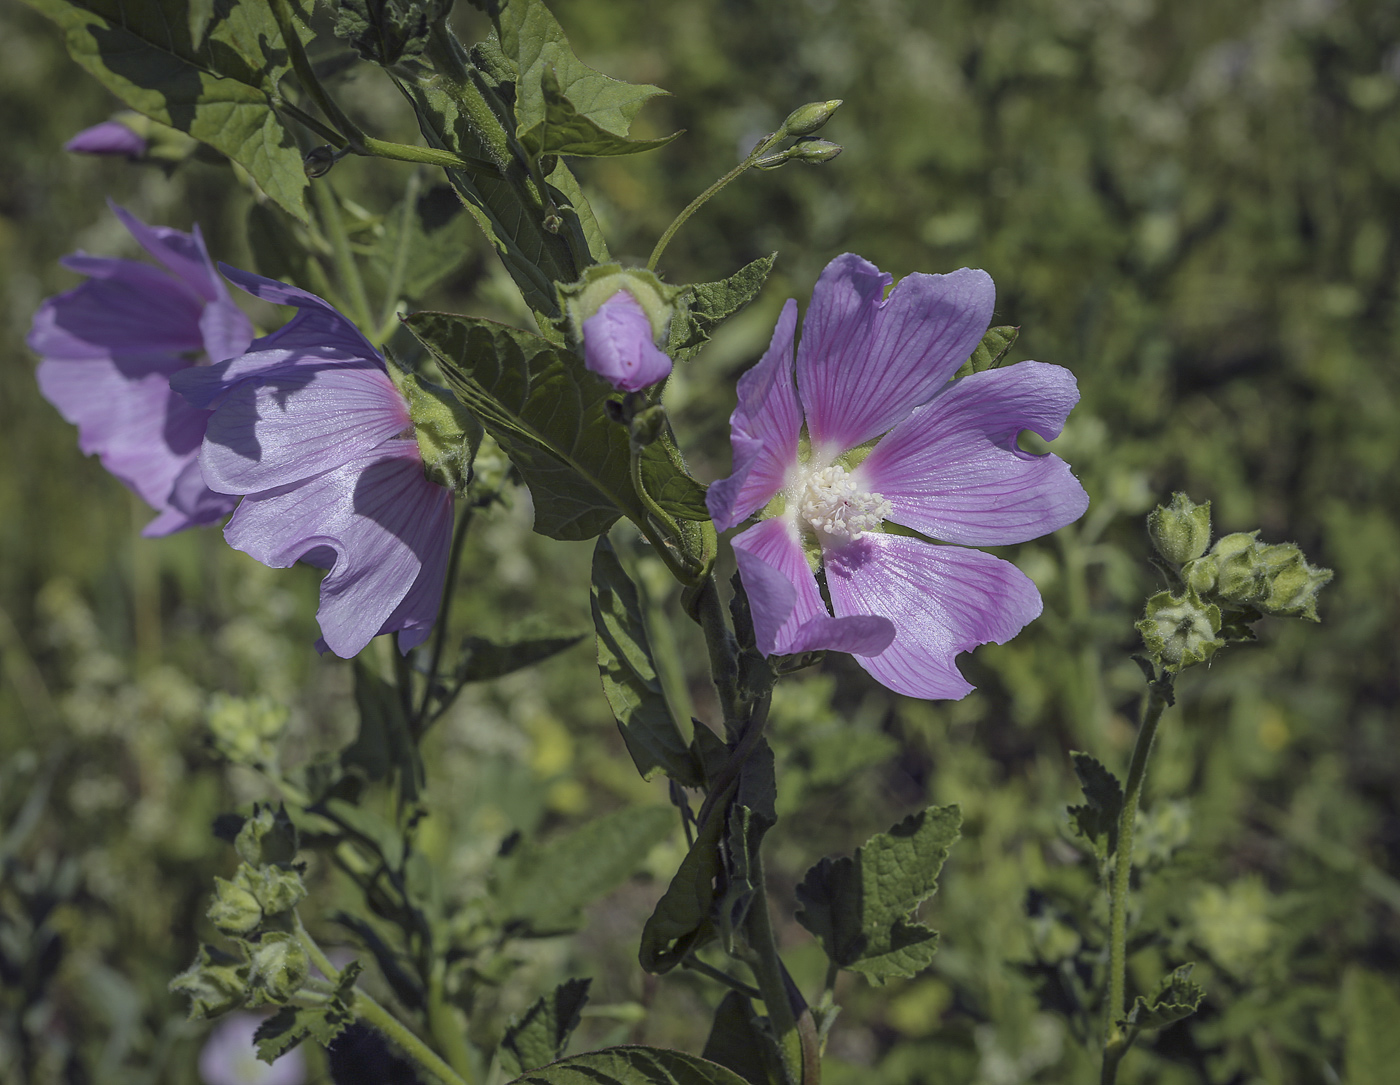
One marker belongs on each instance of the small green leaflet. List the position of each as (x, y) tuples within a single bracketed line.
[(291, 1025), (211, 75), (631, 1066), (991, 352), (566, 131), (484, 659), (860, 907), (1176, 997), (682, 915), (710, 304), (540, 1035), (1097, 820)]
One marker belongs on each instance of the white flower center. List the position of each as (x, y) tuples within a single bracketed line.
[(833, 504)]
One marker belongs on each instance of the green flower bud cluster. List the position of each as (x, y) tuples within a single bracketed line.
[(254, 909), (1216, 594)]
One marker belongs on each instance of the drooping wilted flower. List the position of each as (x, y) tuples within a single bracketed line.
[(872, 454), (309, 428), (109, 348), (109, 137), (618, 345)]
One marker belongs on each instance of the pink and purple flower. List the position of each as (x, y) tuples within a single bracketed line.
[(107, 138), (873, 453), (310, 430), (109, 348)]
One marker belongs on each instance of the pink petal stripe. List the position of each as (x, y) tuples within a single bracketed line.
[(764, 430), (952, 469), (296, 422), (942, 600), (864, 364)]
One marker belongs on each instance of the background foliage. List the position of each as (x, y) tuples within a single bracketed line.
[(1193, 206)]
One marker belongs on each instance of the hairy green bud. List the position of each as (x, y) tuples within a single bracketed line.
[(267, 837), (1180, 630), (235, 909), (216, 983), (809, 118), (448, 435), (280, 967), (1180, 531), (278, 889), (580, 300)]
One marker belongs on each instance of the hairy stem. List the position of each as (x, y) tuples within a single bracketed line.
[(1116, 1038)]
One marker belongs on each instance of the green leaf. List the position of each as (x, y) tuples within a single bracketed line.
[(1097, 820), (372, 830), (388, 31), (534, 42), (669, 484), (630, 680), (541, 1034), (217, 83), (710, 304), (1371, 1009), (426, 238), (565, 131), (681, 919), (542, 889), (384, 747), (750, 816), (484, 659), (737, 1041), (291, 1025), (860, 908), (631, 1066), (1176, 998), (547, 412), (991, 352)]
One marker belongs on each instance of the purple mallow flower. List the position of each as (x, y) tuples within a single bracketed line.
[(229, 1057), (109, 137), (874, 435), (618, 345), (109, 348), (309, 428)]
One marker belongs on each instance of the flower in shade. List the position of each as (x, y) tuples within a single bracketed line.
[(109, 137), (109, 348), (229, 1057), (618, 345), (309, 428), (873, 453)]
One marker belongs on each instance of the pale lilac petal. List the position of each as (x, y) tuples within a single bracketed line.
[(785, 603), (864, 364), (190, 503), (413, 619), (126, 308), (380, 516), (109, 137), (299, 421), (226, 329), (942, 600), (764, 431), (184, 254), (618, 345), (952, 469), (317, 331)]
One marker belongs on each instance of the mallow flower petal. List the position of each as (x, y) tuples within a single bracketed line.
[(764, 430), (618, 345), (382, 519), (785, 603), (942, 600), (184, 254), (109, 137), (952, 469), (317, 332), (863, 364), (190, 502), (296, 422), (124, 308)]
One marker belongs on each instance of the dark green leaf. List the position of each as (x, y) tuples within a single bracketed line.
[(1371, 1011), (547, 412), (682, 916), (219, 88), (750, 816), (388, 31), (860, 908), (629, 675), (1176, 997), (368, 827), (541, 1034), (406, 987), (384, 747), (541, 889), (710, 304), (291, 1025), (737, 1041), (1097, 820), (566, 131), (631, 1066), (483, 660), (669, 484), (991, 351), (277, 251)]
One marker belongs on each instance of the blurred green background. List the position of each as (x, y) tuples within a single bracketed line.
[(1194, 206)]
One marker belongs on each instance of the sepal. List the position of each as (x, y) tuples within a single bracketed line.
[(1180, 630), (279, 967), (215, 984)]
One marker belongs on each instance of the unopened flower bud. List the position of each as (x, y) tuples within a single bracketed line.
[(809, 118), (277, 889), (280, 967), (108, 138), (267, 837), (646, 425), (1200, 575), (1180, 531), (618, 316), (811, 151), (234, 910), (1180, 630), (216, 983), (1241, 578)]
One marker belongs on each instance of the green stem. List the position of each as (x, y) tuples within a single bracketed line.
[(445, 1026), (371, 1012), (306, 76), (428, 156), (1117, 1039), (695, 964), (454, 563), (353, 287), (680, 220), (388, 311), (457, 82), (768, 971)]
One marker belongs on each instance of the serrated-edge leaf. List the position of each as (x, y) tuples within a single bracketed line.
[(709, 304), (628, 1065), (669, 484), (682, 914), (564, 130), (1176, 998), (1097, 819), (540, 1035)]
